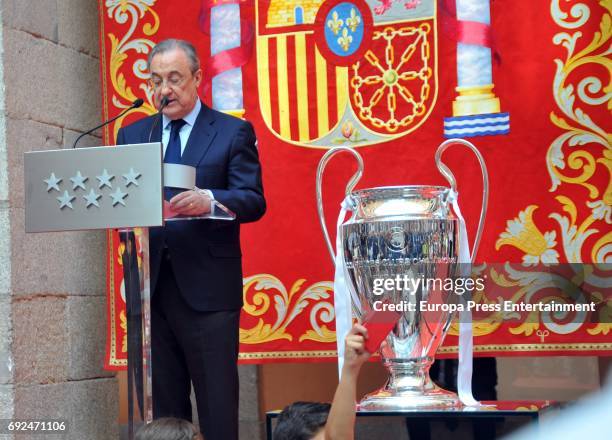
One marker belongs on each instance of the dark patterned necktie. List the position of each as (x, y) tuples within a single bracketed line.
[(173, 152)]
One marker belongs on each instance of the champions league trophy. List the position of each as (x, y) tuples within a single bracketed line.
[(404, 233)]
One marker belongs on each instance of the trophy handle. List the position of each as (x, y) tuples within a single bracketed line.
[(349, 188), (446, 172)]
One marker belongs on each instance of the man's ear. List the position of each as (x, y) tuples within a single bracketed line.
[(198, 77)]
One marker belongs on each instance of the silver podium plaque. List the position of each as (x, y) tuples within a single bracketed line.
[(93, 188)]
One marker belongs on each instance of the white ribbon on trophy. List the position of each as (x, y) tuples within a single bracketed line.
[(342, 296), (466, 341)]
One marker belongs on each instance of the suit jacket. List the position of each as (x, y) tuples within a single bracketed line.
[(205, 254)]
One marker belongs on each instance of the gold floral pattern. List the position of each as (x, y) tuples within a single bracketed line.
[(123, 325), (335, 23), (579, 156), (583, 146), (587, 144), (523, 234), (263, 290), (353, 20), (132, 12)]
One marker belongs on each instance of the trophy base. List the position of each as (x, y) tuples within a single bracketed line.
[(409, 387), (386, 399)]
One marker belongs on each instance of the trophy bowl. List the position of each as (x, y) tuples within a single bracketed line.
[(399, 248)]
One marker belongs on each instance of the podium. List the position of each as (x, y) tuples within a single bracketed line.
[(113, 188)]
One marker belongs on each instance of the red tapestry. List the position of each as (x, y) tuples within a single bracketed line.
[(530, 88)]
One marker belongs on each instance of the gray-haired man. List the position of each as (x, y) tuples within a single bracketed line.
[(196, 273)]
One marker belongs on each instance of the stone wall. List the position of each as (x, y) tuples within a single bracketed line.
[(52, 286)]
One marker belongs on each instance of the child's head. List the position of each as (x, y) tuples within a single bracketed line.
[(168, 428), (302, 421)]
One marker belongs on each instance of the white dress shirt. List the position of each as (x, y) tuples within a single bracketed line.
[(184, 132)]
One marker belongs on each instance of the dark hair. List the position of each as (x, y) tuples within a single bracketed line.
[(171, 44), (167, 428), (301, 421)]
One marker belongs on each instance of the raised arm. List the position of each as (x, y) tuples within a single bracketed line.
[(341, 421)]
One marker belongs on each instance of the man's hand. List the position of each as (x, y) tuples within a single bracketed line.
[(190, 203), (355, 353)]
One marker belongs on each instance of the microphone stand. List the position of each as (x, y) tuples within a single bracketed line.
[(134, 105), (164, 102)]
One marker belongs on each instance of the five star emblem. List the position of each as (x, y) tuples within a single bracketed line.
[(105, 179), (92, 198), (52, 182), (131, 177), (78, 181), (66, 200), (118, 196)]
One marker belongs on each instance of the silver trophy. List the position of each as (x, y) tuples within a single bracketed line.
[(404, 233)]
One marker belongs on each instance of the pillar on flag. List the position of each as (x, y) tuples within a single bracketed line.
[(476, 109), (225, 34)]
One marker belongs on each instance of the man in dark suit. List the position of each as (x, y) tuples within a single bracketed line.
[(196, 273)]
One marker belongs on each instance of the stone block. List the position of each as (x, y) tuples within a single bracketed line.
[(5, 249), (4, 165), (4, 186), (94, 409), (58, 263), (6, 334), (23, 136), (42, 401), (78, 25), (46, 402), (67, 91), (89, 406), (253, 430), (6, 401), (41, 21), (249, 393), (86, 327), (40, 342)]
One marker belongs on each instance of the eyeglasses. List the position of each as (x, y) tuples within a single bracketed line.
[(173, 82)]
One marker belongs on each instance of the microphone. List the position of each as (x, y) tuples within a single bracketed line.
[(134, 105), (164, 102)]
